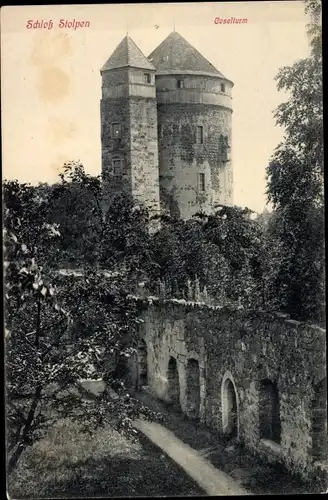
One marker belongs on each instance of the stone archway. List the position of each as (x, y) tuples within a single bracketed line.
[(173, 383), (230, 406), (193, 389)]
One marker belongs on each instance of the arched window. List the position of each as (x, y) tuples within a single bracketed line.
[(269, 406), (173, 382), (229, 401), (193, 388)]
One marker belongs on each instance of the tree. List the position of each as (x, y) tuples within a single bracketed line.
[(295, 184), (60, 328), (223, 250)]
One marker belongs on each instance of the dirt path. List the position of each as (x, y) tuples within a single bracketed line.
[(210, 479), (248, 470)]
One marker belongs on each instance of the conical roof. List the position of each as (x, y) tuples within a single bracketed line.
[(175, 55), (127, 54)]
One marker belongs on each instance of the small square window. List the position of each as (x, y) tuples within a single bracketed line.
[(223, 89), (201, 181), (180, 84), (199, 135), (147, 77), (116, 130)]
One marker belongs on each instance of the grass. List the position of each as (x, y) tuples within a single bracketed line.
[(67, 463)]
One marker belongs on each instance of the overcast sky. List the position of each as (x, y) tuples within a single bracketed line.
[(51, 84)]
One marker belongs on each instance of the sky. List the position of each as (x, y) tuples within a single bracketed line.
[(51, 83)]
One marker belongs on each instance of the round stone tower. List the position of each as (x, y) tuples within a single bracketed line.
[(194, 112)]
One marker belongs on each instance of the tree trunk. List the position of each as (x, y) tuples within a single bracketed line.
[(14, 458), (22, 445)]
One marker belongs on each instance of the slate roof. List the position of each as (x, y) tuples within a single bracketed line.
[(127, 54), (175, 55)]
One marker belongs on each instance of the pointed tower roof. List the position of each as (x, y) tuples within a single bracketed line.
[(127, 54), (175, 55)]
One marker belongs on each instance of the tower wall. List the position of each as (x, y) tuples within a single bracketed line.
[(144, 152), (130, 102), (115, 111), (181, 159)]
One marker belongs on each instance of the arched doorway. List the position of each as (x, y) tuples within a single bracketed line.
[(142, 364), (270, 426), (173, 383), (229, 406), (193, 389)]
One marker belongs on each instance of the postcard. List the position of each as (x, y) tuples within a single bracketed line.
[(164, 249)]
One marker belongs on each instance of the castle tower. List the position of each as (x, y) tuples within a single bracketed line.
[(129, 126), (194, 111)]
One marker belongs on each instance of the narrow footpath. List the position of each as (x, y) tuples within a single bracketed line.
[(246, 471), (210, 479)]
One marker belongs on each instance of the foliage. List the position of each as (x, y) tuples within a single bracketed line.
[(76, 207), (223, 250), (92, 234), (126, 238), (295, 185)]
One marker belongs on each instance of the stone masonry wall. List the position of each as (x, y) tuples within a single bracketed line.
[(244, 349), (191, 82), (136, 145), (144, 151), (111, 111), (181, 160)]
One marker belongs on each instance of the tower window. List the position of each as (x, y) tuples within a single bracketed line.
[(199, 135), (116, 130), (180, 84), (201, 180), (147, 78), (223, 89), (117, 166)]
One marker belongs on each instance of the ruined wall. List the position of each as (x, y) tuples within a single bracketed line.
[(236, 351), (181, 160)]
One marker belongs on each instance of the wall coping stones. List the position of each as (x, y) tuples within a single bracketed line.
[(224, 309), (271, 446)]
